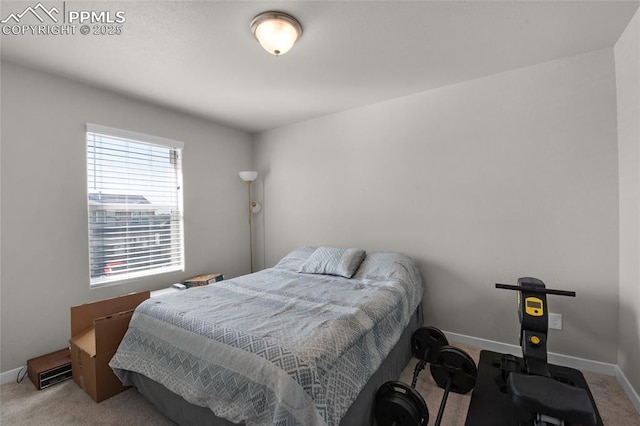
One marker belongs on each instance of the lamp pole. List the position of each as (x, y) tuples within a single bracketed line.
[(248, 177), (251, 204)]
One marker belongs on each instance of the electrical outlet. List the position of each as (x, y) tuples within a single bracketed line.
[(555, 321)]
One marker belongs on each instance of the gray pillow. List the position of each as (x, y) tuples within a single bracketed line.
[(333, 261), (294, 260), (384, 266)]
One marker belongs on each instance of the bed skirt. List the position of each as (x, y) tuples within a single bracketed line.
[(359, 414)]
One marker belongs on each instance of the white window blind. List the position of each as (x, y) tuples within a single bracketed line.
[(134, 194)]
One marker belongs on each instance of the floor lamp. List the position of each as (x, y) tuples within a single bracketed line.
[(248, 177)]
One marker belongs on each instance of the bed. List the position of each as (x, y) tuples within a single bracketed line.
[(307, 342)]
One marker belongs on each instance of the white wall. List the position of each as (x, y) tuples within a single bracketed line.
[(627, 58), (44, 211), (485, 181)]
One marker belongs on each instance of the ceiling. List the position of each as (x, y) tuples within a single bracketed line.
[(199, 57)]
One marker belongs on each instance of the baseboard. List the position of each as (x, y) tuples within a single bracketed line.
[(558, 359), (628, 389), (10, 376)]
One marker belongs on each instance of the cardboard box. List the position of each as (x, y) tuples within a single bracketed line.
[(203, 280), (96, 331)]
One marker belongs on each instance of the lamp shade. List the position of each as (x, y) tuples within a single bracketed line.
[(276, 31), (248, 176)]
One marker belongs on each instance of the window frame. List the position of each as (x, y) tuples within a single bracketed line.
[(176, 148)]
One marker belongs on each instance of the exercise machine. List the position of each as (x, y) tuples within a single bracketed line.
[(527, 390), (398, 404)]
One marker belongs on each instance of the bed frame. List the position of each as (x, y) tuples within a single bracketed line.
[(360, 412)]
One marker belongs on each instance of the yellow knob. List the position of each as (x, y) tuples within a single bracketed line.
[(535, 340)]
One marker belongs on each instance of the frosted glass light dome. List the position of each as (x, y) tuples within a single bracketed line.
[(248, 176), (276, 31)]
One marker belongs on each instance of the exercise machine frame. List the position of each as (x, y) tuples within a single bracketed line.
[(527, 390)]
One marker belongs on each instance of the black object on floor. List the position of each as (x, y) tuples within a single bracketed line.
[(490, 403)]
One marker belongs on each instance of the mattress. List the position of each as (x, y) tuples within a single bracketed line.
[(275, 347)]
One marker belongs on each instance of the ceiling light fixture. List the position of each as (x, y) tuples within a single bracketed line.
[(276, 31)]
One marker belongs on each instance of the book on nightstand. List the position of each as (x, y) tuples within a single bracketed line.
[(201, 280)]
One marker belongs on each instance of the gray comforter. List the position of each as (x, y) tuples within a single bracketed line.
[(276, 347)]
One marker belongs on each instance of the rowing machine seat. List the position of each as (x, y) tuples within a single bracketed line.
[(539, 394)]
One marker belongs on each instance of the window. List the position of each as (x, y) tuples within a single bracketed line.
[(134, 194)]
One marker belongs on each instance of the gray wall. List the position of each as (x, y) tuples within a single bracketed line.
[(44, 210), (627, 57), (511, 175)]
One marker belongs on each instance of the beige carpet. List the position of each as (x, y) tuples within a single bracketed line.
[(65, 404)]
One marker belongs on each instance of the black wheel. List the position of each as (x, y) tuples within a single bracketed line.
[(429, 339), (457, 364), (400, 404)]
